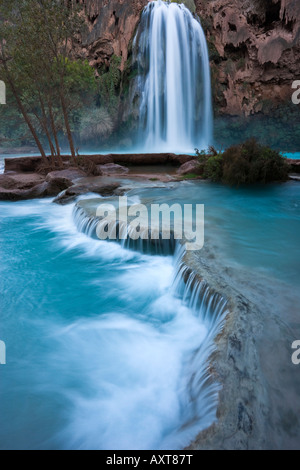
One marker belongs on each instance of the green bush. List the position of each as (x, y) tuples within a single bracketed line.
[(251, 163), (213, 168), (96, 125), (247, 163)]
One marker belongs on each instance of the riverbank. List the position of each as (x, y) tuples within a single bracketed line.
[(257, 406), (29, 178)]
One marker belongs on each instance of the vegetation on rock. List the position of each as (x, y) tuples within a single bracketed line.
[(48, 84), (190, 4), (247, 163)]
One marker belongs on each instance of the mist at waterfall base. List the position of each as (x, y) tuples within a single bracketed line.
[(173, 81)]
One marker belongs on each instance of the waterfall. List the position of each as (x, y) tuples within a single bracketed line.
[(201, 389), (173, 79), (93, 226)]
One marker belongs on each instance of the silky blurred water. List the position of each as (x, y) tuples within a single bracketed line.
[(98, 342), (256, 227), (173, 80)]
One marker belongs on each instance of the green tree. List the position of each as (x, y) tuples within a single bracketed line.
[(36, 54)]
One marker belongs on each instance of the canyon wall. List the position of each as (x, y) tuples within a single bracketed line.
[(254, 46), (255, 51), (111, 28)]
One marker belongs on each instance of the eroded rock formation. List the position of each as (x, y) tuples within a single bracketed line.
[(254, 46), (111, 29)]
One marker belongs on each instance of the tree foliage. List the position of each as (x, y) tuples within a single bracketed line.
[(247, 163), (36, 54)]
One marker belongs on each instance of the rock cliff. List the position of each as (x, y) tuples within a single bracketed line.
[(111, 26), (254, 46)]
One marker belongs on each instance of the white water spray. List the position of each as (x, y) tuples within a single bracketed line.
[(173, 79)]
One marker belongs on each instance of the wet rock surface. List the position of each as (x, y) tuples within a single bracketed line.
[(103, 189), (258, 402), (27, 177), (190, 167)]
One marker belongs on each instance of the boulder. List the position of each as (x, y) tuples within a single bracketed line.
[(60, 180), (69, 195), (111, 169), (71, 174), (294, 165), (191, 167), (22, 186), (20, 181), (38, 191)]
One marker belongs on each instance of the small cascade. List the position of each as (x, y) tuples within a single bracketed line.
[(96, 228), (209, 305), (173, 81), (201, 390), (212, 309)]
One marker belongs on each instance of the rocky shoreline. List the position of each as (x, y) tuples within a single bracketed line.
[(29, 178), (252, 412), (252, 360)]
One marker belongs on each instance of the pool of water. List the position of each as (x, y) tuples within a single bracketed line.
[(257, 227), (294, 155), (98, 341)]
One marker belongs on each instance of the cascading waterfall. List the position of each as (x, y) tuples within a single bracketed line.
[(173, 79), (94, 226), (208, 306)]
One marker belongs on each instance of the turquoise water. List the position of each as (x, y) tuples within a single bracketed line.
[(294, 155), (256, 227), (98, 341)]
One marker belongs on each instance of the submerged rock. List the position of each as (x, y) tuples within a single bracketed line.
[(69, 195), (111, 169)]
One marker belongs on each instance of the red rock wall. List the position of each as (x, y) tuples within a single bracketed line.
[(111, 25), (254, 44), (258, 42)]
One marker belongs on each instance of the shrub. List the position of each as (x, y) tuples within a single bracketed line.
[(251, 162), (213, 168), (96, 125), (247, 163)]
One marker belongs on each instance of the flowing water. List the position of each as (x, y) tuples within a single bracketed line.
[(107, 348), (173, 79)]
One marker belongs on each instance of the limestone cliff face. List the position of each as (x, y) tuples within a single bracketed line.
[(254, 46), (111, 26)]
